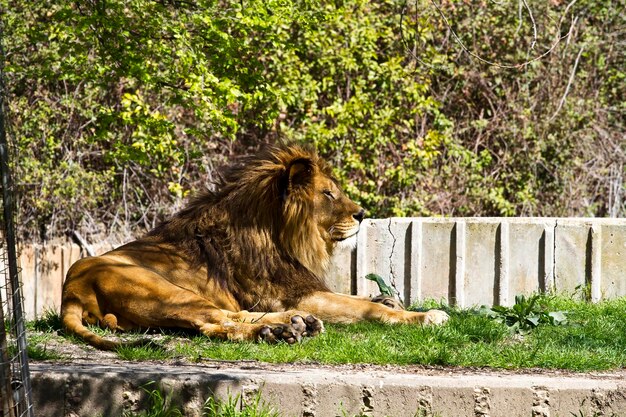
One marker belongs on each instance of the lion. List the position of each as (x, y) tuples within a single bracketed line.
[(242, 262)]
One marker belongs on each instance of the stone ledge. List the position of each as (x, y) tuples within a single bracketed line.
[(305, 390)]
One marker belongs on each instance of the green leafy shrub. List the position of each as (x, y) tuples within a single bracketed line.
[(119, 110)]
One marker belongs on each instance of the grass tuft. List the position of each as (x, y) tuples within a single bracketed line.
[(50, 321), (255, 407), (159, 405), (149, 351)]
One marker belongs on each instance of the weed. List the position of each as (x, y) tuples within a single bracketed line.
[(159, 405), (525, 315), (231, 408), (50, 321)]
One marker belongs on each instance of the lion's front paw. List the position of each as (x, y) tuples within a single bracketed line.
[(314, 326), (293, 332), (436, 317), (307, 326), (276, 332)]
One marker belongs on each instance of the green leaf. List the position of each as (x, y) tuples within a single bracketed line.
[(533, 320), (558, 317)]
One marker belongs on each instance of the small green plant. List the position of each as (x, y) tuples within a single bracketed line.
[(525, 315)]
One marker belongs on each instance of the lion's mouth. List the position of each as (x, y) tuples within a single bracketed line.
[(342, 238), (344, 235), (346, 242)]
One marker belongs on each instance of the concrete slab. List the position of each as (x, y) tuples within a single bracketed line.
[(302, 390), (71, 253), (369, 236), (386, 252), (342, 269), (50, 281), (438, 259), (481, 270), (526, 258), (613, 260), (571, 254), (28, 257)]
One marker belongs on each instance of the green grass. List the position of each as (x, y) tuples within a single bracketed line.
[(594, 338)]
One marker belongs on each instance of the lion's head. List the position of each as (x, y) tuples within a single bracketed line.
[(316, 213), (278, 206)]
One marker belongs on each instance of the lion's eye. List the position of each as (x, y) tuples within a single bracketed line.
[(329, 194)]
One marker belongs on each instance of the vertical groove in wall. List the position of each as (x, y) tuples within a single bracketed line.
[(556, 223), (595, 273), (452, 266), (503, 263), (414, 286), (589, 261), (406, 284), (541, 262), (361, 259), (548, 257), (353, 275), (459, 269)]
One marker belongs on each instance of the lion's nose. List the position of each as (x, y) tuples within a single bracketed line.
[(359, 216)]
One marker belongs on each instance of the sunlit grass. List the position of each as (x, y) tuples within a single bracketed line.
[(593, 339)]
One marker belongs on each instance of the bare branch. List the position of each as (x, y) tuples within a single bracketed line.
[(532, 20), (569, 83)]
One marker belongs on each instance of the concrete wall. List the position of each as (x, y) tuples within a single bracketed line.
[(475, 261), (467, 261)]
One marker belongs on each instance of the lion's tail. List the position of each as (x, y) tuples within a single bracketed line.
[(72, 317)]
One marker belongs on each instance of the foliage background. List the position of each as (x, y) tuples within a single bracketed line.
[(119, 109)]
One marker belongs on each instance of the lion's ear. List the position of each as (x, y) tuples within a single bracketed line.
[(300, 174)]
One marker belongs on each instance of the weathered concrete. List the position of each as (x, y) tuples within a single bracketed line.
[(95, 389), (475, 261), (467, 261)]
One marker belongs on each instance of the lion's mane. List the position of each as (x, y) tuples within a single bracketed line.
[(251, 229)]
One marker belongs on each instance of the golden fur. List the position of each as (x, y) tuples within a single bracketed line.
[(243, 262)]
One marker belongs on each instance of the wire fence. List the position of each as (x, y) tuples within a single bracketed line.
[(15, 388)]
